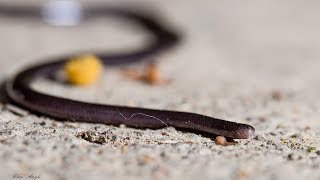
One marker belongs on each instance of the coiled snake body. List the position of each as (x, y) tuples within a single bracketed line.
[(20, 91)]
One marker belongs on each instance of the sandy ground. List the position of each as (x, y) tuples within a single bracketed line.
[(246, 61)]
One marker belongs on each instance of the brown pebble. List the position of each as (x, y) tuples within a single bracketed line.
[(153, 74), (220, 140), (276, 95)]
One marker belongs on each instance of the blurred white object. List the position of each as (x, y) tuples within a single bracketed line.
[(62, 12)]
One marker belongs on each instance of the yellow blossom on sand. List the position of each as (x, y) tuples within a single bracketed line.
[(83, 70)]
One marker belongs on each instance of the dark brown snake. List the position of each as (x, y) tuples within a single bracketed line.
[(20, 91)]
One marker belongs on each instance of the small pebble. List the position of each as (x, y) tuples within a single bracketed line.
[(93, 137), (42, 123), (220, 140), (276, 95)]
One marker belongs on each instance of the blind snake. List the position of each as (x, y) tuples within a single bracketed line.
[(20, 91)]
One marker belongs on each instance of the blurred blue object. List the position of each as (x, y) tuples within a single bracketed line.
[(62, 12)]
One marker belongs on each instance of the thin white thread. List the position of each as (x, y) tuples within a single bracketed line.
[(144, 115)]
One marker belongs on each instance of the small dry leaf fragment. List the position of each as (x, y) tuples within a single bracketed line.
[(151, 75)]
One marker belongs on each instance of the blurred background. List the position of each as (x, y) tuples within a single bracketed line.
[(248, 61), (255, 40), (274, 42)]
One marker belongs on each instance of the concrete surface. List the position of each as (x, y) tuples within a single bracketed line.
[(248, 61)]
